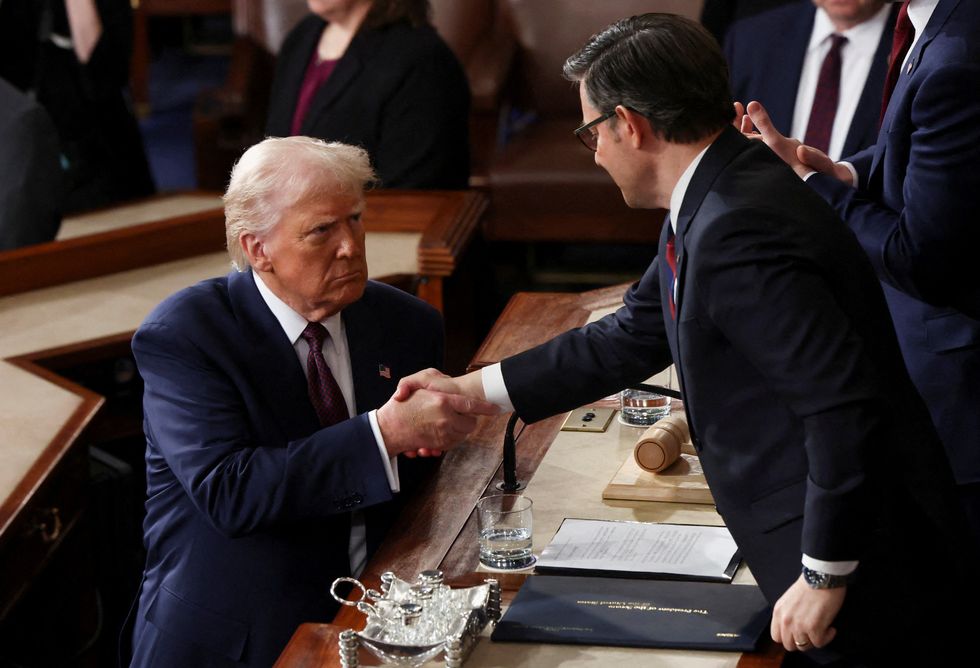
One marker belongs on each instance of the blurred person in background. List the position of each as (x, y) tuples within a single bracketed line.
[(31, 178), (375, 73), (819, 67), (73, 57)]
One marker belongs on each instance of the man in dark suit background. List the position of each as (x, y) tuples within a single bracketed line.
[(818, 451), (32, 182), (272, 446), (912, 201), (818, 66)]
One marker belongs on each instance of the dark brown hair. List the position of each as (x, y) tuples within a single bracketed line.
[(666, 67), (385, 12)]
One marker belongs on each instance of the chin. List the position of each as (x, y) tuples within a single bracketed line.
[(630, 201)]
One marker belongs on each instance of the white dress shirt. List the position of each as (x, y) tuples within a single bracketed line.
[(920, 11), (496, 392), (337, 356), (857, 56)]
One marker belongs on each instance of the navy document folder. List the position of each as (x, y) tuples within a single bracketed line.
[(635, 613)]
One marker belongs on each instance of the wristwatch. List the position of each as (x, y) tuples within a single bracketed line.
[(820, 580)]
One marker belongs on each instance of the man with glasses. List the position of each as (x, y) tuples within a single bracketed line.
[(819, 453)]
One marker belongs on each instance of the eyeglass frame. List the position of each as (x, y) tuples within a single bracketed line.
[(581, 132)]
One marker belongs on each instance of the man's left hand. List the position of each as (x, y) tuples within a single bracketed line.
[(802, 617), (802, 158)]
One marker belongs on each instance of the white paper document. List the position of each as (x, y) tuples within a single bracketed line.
[(642, 548)]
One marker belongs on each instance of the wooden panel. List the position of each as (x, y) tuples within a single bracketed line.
[(57, 262), (531, 318), (43, 508), (447, 221)]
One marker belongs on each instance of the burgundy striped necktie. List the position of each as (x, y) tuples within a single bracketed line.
[(824, 109), (901, 42), (325, 395)]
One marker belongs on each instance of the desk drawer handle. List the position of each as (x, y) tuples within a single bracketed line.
[(49, 525)]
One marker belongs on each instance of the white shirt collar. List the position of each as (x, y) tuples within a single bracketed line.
[(822, 29), (920, 11), (680, 189), (293, 323), (867, 33)]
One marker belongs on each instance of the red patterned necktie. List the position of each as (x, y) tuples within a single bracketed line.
[(904, 35), (824, 109), (670, 254), (328, 401)]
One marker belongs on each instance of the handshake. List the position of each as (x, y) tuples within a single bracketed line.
[(431, 412)]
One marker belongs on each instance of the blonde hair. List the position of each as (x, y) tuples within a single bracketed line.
[(281, 172)]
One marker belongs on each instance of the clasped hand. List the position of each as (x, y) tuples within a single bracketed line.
[(429, 414)]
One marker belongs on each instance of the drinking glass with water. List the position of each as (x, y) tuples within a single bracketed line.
[(504, 521), (641, 408)]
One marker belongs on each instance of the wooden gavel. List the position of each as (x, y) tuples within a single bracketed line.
[(661, 444)]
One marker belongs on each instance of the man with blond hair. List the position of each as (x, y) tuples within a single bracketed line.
[(272, 445)]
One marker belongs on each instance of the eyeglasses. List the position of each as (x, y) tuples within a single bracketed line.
[(588, 136)]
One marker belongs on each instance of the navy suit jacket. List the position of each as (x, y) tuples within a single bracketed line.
[(765, 56), (398, 92), (799, 405), (915, 214), (248, 499)]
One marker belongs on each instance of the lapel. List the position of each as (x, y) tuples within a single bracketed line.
[(782, 82), (865, 123), (271, 359), (305, 46), (368, 347), (348, 67), (935, 25), (728, 144)]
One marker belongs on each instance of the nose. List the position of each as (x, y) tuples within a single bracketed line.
[(351, 242)]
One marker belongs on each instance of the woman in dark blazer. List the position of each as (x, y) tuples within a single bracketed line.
[(374, 73)]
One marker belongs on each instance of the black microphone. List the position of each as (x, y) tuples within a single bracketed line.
[(510, 483)]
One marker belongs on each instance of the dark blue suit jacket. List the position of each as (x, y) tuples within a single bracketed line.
[(915, 213), (802, 413), (248, 499), (765, 56)]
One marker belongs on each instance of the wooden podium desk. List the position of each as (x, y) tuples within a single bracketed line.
[(565, 473), (77, 300)]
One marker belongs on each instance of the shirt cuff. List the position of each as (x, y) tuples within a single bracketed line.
[(390, 463), (850, 168), (494, 387), (830, 567)]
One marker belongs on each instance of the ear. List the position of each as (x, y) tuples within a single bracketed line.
[(636, 127), (255, 250)]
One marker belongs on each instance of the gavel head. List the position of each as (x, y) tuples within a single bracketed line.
[(660, 445)]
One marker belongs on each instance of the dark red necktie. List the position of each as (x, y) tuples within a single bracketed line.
[(670, 254), (328, 401), (824, 109), (904, 35)]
